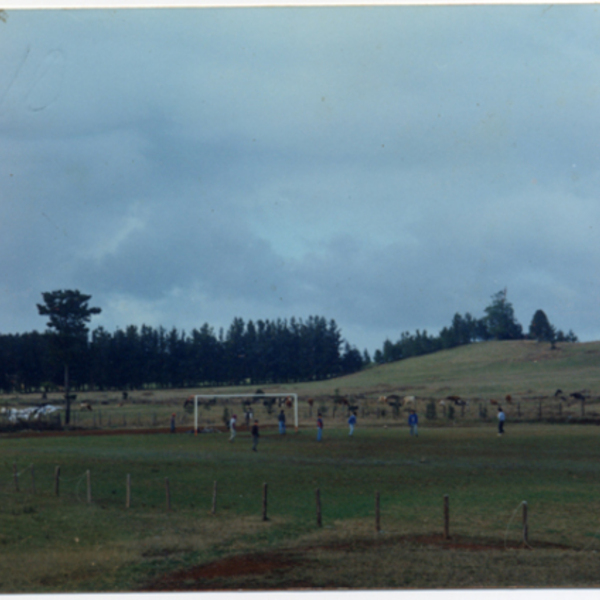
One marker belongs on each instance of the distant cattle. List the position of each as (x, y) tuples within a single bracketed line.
[(494, 402), (508, 398), (85, 406)]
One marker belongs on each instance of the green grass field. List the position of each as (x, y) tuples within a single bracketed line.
[(52, 544), (549, 457)]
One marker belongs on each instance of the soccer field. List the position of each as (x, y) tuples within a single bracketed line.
[(53, 542)]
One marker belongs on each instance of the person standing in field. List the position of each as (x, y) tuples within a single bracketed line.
[(352, 423), (413, 423), (319, 427), (232, 423), (255, 435), (281, 419), (501, 419)]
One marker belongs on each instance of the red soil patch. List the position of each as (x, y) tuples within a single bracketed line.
[(217, 575), (233, 566)]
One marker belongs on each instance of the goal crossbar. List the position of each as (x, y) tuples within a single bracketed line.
[(210, 396)]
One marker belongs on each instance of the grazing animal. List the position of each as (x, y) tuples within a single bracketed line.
[(288, 402), (508, 398), (382, 399), (577, 396), (494, 402), (86, 406), (453, 398), (558, 392), (409, 399)]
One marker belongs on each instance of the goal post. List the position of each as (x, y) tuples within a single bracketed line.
[(234, 396)]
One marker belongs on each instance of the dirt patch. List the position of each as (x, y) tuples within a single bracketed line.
[(258, 571), (199, 577)]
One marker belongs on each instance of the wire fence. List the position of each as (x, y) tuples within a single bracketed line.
[(79, 488)]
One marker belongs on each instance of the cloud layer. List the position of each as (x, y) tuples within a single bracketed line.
[(382, 166)]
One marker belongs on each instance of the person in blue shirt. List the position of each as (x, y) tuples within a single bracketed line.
[(281, 419), (352, 422), (413, 423)]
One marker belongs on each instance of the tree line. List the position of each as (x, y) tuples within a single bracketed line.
[(261, 352), (498, 323)]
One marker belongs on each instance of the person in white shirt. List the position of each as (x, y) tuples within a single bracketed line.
[(501, 419), (232, 422)]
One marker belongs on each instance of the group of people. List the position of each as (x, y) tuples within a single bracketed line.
[(413, 424)]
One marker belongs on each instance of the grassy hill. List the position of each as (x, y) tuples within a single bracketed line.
[(483, 369)]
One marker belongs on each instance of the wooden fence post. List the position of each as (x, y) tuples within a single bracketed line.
[(319, 515), (57, 481), (214, 502), (16, 476), (264, 509), (525, 525), (446, 517), (168, 492), (128, 491), (377, 513), (89, 486)]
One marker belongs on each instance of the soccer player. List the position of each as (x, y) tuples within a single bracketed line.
[(255, 435), (232, 423), (352, 422), (319, 427), (413, 423), (501, 419)]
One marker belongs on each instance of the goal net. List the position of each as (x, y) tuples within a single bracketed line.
[(199, 398)]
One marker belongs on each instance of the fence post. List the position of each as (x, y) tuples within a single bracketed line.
[(168, 492), (57, 481), (89, 486), (377, 513), (128, 491), (525, 525), (319, 516), (214, 502), (264, 509), (446, 517), (16, 476)]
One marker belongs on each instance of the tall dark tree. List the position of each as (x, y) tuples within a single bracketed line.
[(68, 313), (500, 319), (540, 328)]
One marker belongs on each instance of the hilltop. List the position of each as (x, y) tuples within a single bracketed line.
[(483, 369)]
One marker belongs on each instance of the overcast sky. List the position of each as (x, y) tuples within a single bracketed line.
[(385, 167)]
